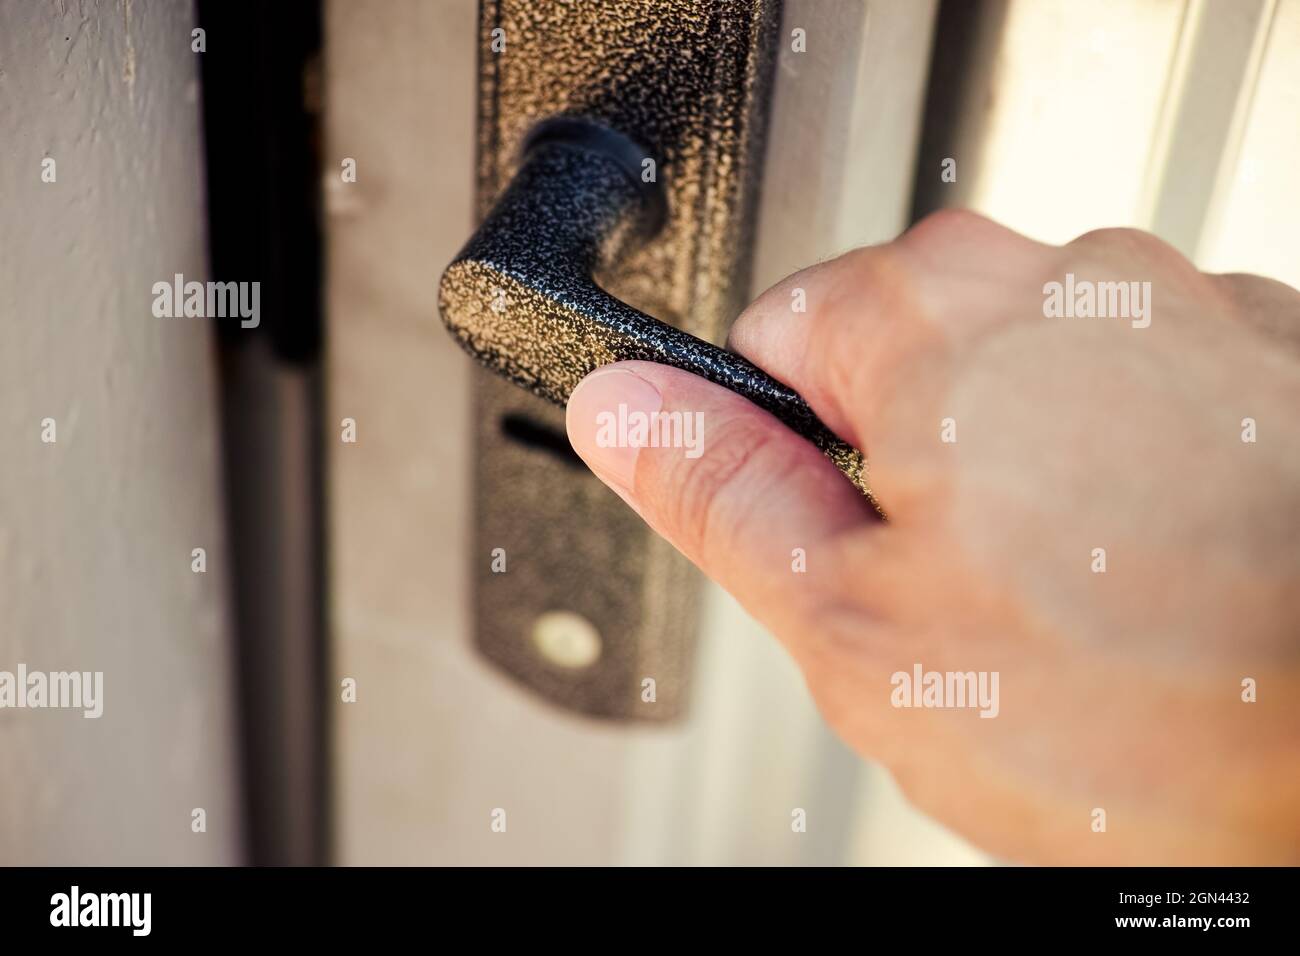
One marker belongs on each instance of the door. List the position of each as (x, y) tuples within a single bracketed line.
[(879, 112), (160, 535), (439, 739)]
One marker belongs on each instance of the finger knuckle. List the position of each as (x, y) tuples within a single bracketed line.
[(1126, 243), (944, 225)]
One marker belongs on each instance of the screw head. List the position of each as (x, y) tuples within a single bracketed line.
[(566, 639)]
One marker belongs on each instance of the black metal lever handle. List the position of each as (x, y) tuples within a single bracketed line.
[(520, 296)]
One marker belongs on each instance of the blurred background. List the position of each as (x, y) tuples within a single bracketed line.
[(330, 560)]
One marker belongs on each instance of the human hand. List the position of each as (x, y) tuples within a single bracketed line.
[(1007, 448)]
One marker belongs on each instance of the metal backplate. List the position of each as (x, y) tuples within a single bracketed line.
[(689, 81)]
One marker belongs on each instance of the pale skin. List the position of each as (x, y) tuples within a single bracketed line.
[(1120, 690)]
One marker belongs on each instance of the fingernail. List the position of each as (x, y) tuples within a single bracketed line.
[(597, 406)]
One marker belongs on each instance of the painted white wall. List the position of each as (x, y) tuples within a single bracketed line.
[(96, 529), (438, 739)]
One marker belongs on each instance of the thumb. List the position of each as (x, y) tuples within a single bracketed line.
[(724, 481)]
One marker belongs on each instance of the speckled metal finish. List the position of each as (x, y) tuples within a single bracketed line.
[(685, 82), (521, 298)]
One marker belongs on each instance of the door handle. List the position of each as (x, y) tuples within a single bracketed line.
[(522, 296), (573, 596)]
